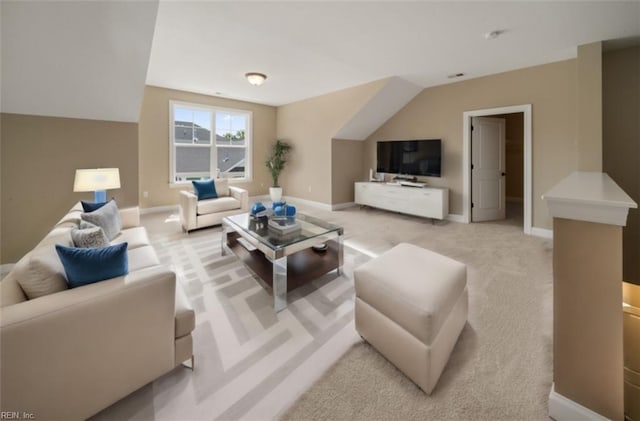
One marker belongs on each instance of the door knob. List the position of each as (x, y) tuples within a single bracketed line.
[(504, 173)]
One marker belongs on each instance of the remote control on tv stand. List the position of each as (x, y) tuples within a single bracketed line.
[(412, 184)]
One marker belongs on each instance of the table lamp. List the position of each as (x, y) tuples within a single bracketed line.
[(98, 181)]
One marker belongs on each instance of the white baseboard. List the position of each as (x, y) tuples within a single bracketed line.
[(314, 204), (158, 209), (542, 232), (455, 218), (339, 206), (563, 409)]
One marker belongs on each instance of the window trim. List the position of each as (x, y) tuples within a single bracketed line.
[(248, 146)]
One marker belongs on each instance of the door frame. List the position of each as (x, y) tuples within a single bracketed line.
[(466, 158)]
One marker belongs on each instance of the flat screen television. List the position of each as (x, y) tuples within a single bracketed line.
[(411, 157)]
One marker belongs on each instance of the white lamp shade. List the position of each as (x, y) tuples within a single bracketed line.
[(96, 179)]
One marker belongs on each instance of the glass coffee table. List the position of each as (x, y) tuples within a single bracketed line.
[(283, 262)]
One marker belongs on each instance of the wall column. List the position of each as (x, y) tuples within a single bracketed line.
[(589, 211)]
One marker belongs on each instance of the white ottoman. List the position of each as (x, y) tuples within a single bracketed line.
[(411, 305)]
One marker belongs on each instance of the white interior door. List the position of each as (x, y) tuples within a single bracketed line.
[(487, 169)]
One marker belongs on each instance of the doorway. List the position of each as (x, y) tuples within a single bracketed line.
[(495, 190)]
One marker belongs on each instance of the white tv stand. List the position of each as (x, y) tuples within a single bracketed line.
[(428, 202)]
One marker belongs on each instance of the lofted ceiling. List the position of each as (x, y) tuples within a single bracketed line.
[(92, 59), (76, 59), (311, 48)]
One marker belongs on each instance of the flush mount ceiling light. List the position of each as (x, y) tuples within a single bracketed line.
[(255, 78)]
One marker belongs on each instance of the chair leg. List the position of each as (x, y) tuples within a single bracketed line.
[(190, 363)]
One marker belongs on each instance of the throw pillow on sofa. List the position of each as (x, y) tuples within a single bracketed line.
[(107, 218), (85, 266), (89, 237), (91, 206), (204, 189), (43, 273)]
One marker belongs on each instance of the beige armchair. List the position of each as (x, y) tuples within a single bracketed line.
[(196, 213)]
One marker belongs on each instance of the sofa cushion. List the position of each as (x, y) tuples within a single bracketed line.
[(136, 237), (61, 234), (204, 189), (220, 204), (89, 237), (142, 257), (185, 316), (73, 216), (107, 218), (89, 265), (43, 273)]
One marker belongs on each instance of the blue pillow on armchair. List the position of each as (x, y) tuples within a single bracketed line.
[(89, 265), (205, 189)]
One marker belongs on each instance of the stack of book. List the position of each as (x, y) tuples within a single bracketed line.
[(284, 226)]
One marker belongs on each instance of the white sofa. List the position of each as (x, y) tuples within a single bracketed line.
[(196, 213), (69, 354)]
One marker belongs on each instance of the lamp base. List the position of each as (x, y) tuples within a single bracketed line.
[(100, 196)]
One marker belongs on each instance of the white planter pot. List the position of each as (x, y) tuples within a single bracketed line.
[(275, 193)]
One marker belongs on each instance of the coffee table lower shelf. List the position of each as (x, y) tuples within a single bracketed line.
[(302, 267)]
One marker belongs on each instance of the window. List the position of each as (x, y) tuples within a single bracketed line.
[(207, 142)]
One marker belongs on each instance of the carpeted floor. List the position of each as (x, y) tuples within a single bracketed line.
[(253, 364), (501, 367)]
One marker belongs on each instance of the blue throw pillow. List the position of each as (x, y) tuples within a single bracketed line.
[(91, 206), (205, 189), (88, 265)]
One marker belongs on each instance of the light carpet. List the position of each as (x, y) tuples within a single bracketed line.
[(252, 364), (501, 367)]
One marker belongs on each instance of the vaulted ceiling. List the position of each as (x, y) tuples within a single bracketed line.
[(92, 59)]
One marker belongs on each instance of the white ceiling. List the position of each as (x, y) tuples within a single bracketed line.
[(89, 59), (312, 48)]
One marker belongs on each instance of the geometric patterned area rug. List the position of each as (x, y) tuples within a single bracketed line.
[(250, 362)]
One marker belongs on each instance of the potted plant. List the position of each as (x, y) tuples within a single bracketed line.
[(275, 164)]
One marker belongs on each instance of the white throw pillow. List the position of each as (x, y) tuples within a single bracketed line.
[(222, 186), (43, 275), (107, 218)]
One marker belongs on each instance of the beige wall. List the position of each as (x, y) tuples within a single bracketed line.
[(437, 113), (310, 126), (589, 84), (514, 156), (587, 315), (621, 142), (154, 143), (347, 159), (39, 159)]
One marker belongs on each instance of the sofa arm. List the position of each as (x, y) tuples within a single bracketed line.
[(130, 217), (68, 355), (242, 195), (188, 207)]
